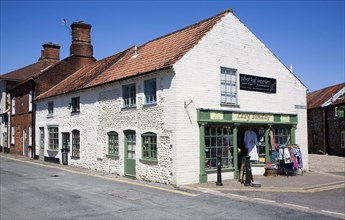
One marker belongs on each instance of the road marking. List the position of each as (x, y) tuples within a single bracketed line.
[(335, 213), (265, 200), (324, 188), (298, 206), (108, 178)]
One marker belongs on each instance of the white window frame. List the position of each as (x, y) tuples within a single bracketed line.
[(30, 135), (129, 99), (13, 105), (30, 101), (13, 133), (53, 143), (228, 86), (342, 139), (150, 91)]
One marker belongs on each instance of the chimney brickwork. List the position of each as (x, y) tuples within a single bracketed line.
[(50, 51), (81, 40)]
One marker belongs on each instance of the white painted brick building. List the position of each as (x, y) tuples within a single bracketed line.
[(191, 99)]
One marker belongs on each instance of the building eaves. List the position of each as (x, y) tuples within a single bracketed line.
[(157, 54), (321, 97)]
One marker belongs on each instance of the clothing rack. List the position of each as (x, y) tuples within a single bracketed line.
[(290, 160)]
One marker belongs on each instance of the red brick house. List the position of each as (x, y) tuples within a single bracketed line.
[(23, 110), (49, 57), (326, 122)]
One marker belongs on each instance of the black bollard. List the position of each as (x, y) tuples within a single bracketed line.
[(219, 171), (248, 172)]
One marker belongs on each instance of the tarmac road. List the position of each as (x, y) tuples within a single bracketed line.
[(33, 190)]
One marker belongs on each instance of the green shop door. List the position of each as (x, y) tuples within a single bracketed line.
[(130, 144)]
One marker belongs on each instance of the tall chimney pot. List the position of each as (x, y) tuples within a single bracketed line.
[(81, 39)]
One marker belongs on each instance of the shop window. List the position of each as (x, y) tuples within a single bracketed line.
[(53, 135), (50, 108), (75, 144), (281, 136), (149, 142), (129, 95), (342, 139), (76, 104), (150, 91), (218, 141), (113, 143), (228, 81)]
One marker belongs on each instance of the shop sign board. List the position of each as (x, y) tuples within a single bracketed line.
[(216, 115), (252, 117), (258, 84)]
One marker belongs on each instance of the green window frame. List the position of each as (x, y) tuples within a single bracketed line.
[(150, 89), (76, 144), (282, 135), (228, 81), (129, 95), (113, 143), (219, 140), (149, 146)]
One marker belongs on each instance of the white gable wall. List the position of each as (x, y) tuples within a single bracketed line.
[(230, 44)]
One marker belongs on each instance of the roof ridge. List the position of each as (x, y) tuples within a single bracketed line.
[(229, 10)]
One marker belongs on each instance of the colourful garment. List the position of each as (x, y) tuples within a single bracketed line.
[(250, 140)]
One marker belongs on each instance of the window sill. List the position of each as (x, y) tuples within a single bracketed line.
[(149, 161), (50, 116), (115, 157), (149, 104), (223, 170), (52, 150), (128, 107), (75, 158), (258, 165), (230, 105), (75, 113)]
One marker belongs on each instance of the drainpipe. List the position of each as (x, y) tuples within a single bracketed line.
[(324, 130), (33, 123)]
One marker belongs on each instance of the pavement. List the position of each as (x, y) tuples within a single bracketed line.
[(325, 173)]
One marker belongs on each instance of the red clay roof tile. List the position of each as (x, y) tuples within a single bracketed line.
[(157, 54)]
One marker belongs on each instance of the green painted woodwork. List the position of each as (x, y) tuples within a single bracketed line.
[(202, 173), (267, 145), (129, 163), (236, 174), (293, 134)]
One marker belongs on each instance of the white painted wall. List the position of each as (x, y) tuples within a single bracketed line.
[(229, 44)]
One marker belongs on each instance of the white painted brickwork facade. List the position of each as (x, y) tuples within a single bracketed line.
[(196, 78)]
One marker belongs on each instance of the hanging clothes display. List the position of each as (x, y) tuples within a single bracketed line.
[(250, 140)]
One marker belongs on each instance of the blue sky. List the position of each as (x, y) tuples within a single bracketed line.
[(307, 34)]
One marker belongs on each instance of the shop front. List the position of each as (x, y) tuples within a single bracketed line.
[(226, 133)]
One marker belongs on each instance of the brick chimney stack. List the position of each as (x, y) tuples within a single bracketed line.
[(50, 51), (81, 39)]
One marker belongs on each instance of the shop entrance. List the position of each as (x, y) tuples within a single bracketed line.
[(256, 133)]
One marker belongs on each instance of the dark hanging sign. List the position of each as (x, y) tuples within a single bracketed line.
[(258, 84)]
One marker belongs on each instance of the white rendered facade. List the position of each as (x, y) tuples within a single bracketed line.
[(192, 84)]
